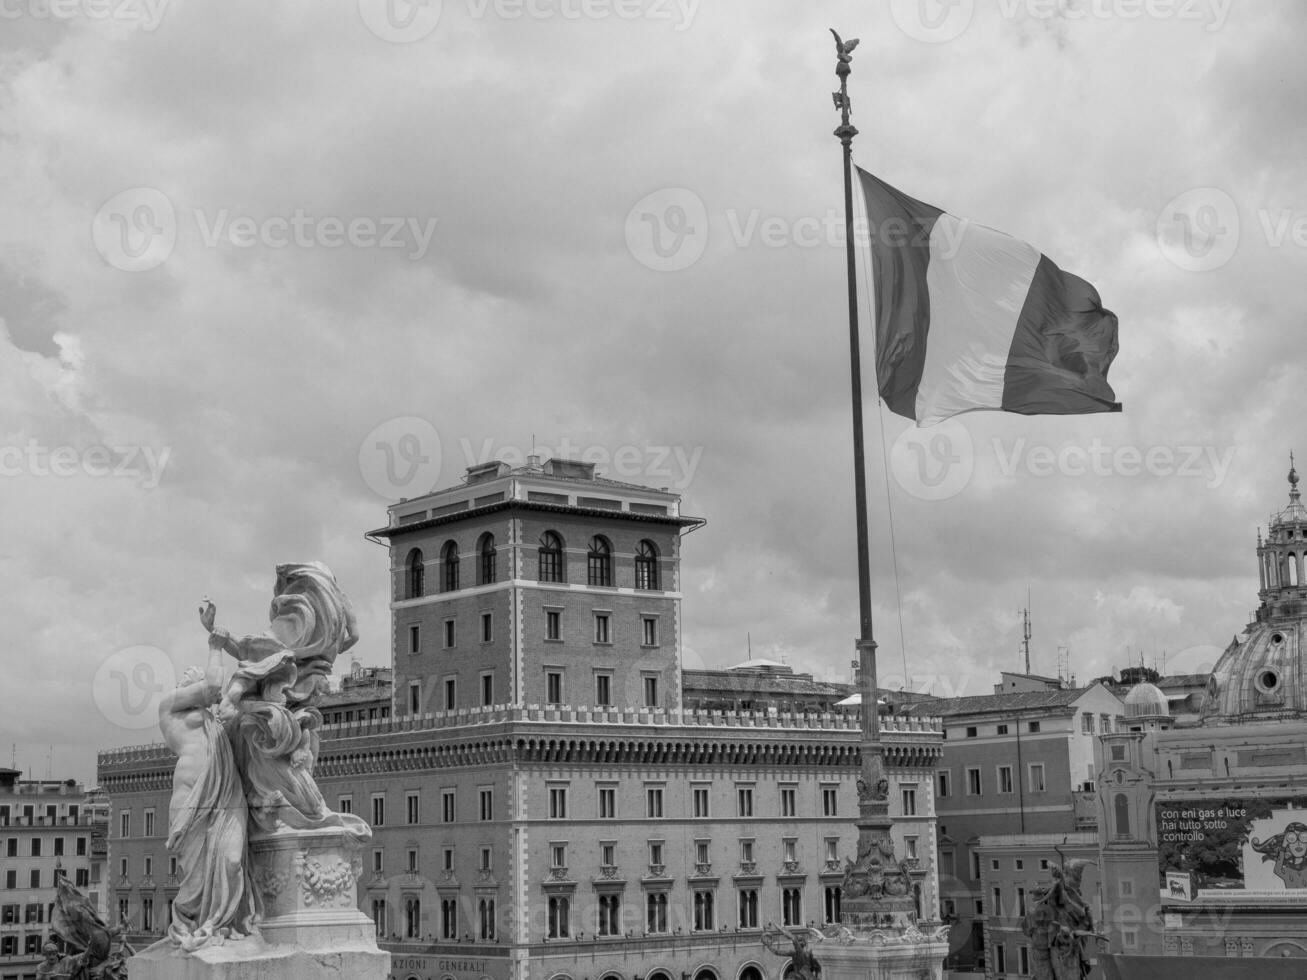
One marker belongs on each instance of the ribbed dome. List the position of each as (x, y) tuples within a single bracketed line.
[(1261, 675), (1146, 701)]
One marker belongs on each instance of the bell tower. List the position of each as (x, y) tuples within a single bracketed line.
[(1281, 557)]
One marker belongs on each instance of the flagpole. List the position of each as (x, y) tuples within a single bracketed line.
[(866, 642), (867, 902)]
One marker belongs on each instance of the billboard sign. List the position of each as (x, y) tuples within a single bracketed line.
[(1246, 844)]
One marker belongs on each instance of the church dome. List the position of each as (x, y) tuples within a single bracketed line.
[(1146, 701), (1260, 674)]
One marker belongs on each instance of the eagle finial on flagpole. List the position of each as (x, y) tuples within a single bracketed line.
[(844, 59)]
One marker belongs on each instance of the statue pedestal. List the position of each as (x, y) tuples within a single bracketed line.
[(884, 954), (311, 927)]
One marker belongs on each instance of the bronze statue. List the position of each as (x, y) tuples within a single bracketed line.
[(101, 951), (1060, 926), (794, 943)]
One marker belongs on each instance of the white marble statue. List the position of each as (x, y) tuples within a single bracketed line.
[(246, 750)]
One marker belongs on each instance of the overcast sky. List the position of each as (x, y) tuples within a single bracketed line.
[(244, 243)]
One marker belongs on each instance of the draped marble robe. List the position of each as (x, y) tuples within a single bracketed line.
[(207, 833)]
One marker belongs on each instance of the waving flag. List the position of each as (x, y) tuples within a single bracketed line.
[(969, 318)]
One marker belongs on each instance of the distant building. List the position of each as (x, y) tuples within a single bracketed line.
[(48, 828), (550, 796), (1203, 819), (760, 685), (1016, 762)]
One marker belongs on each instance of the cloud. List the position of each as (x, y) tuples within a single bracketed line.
[(256, 365)]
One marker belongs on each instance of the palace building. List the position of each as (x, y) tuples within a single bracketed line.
[(546, 801)]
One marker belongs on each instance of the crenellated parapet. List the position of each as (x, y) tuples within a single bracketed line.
[(565, 735)]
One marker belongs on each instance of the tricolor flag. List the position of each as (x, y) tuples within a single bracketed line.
[(968, 318)]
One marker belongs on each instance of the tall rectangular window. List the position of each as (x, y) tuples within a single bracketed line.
[(788, 801), (649, 631), (1023, 960), (449, 633), (554, 686), (1037, 777), (415, 638), (345, 804), (830, 801), (125, 823), (557, 802), (650, 692), (487, 628), (414, 697), (487, 690), (603, 690), (451, 693), (553, 625), (411, 807), (447, 811), (1087, 723), (149, 823), (1000, 958), (744, 801), (607, 802), (1005, 779), (973, 781), (942, 778), (486, 804), (699, 798), (378, 810), (909, 802), (653, 796), (602, 631)]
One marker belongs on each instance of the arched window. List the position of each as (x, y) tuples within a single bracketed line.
[(412, 918), (600, 561), (449, 556), (550, 559), (656, 907), (1293, 569), (1121, 806), (646, 566), (559, 917), (416, 574), (750, 973), (486, 560), (486, 908), (703, 912)]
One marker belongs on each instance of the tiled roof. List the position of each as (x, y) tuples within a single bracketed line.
[(998, 703)]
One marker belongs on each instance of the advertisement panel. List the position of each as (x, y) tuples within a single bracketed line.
[(1257, 846)]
